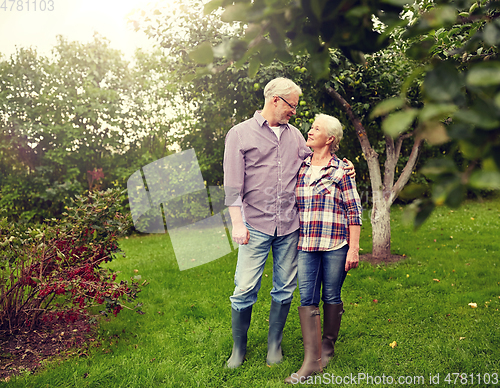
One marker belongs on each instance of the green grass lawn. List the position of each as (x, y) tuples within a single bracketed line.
[(421, 304)]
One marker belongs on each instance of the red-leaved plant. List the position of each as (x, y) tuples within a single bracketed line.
[(55, 269)]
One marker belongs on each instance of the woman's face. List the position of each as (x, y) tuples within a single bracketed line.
[(317, 137)]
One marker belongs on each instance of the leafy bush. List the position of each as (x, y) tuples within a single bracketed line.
[(55, 269)]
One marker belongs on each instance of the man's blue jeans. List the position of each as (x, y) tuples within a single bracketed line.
[(250, 267), (321, 267)]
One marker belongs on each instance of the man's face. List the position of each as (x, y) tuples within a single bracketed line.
[(286, 107)]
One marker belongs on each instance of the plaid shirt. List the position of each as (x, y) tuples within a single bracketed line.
[(327, 206)]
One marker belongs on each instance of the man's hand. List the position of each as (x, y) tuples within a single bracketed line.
[(241, 235), (352, 259), (350, 169)]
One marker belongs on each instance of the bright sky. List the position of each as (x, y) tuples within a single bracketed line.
[(74, 19)]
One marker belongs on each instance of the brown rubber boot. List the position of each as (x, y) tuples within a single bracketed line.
[(332, 315), (310, 323)]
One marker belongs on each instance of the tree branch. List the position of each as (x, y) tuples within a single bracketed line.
[(360, 130), (370, 155), (389, 165), (410, 165)]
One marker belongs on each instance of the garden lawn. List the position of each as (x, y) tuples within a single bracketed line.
[(410, 319)]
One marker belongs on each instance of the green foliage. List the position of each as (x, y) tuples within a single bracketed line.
[(83, 109), (460, 90), (282, 30), (57, 270)]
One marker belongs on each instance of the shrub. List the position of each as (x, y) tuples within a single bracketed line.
[(55, 269)]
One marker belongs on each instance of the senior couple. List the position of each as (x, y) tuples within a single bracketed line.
[(274, 183)]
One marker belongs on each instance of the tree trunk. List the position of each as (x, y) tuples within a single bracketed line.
[(381, 228), (384, 192)]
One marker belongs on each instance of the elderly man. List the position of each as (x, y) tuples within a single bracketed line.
[(262, 158)]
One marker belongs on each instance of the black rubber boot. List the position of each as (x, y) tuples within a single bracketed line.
[(332, 315), (277, 319), (240, 324)]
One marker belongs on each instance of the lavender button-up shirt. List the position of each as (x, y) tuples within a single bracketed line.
[(260, 173)]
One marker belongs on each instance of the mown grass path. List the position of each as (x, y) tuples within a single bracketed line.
[(419, 305)]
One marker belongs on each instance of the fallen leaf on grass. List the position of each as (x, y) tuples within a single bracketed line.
[(461, 338), (393, 344), (436, 280), (375, 301), (473, 305)]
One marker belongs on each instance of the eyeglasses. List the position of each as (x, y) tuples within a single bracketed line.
[(290, 105)]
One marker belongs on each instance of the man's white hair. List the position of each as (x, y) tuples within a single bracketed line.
[(281, 87)]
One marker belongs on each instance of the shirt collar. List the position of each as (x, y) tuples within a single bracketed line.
[(261, 120), (333, 162)]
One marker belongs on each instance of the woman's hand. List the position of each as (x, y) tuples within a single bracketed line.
[(352, 259)]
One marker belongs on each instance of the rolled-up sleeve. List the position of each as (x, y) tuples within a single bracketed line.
[(234, 169), (351, 200)]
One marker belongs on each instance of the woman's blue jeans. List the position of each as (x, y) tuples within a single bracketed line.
[(318, 268)]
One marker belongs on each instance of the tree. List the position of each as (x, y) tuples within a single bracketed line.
[(82, 110), (385, 187)]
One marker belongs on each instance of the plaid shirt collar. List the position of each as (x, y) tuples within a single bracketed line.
[(333, 162)]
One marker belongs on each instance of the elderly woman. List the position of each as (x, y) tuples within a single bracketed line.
[(330, 219)]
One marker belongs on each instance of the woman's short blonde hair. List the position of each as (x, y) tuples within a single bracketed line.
[(333, 128)]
